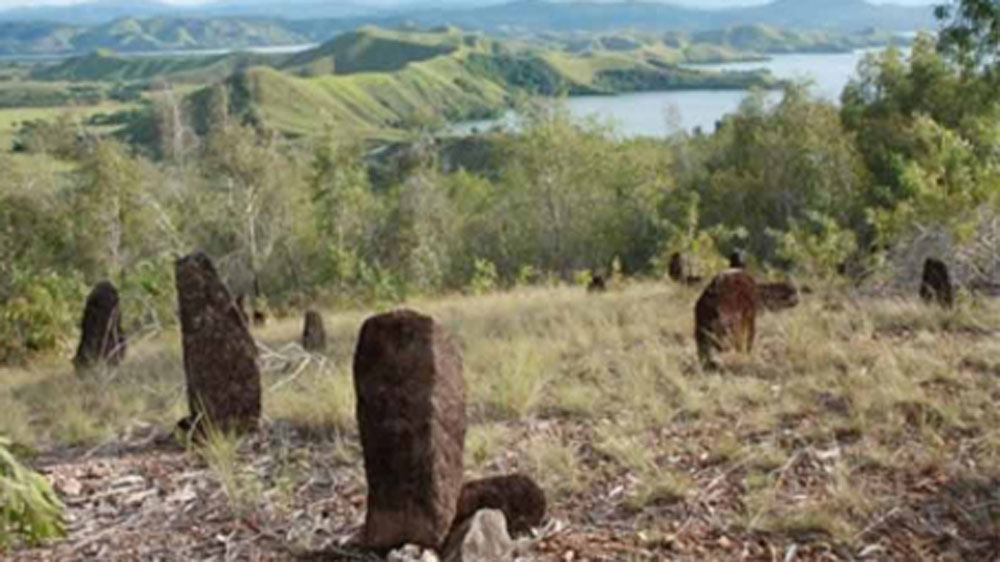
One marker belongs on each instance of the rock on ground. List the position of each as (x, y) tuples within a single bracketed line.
[(482, 538), (517, 496)]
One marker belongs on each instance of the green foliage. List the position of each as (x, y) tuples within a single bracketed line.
[(816, 247), (485, 278), (37, 311), (29, 508), (769, 166), (972, 30)]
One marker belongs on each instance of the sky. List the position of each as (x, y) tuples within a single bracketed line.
[(706, 3)]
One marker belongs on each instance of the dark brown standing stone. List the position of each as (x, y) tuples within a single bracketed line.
[(678, 269), (737, 260), (411, 417), (259, 318), (597, 284), (313, 333), (520, 499), (101, 336), (220, 356), (726, 315), (935, 286)]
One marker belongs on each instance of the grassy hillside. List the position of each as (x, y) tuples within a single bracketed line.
[(770, 40), (153, 34), (378, 50), (853, 424), (104, 65), (375, 80)]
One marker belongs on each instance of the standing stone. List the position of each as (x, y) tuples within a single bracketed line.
[(220, 356), (726, 315), (313, 333), (678, 269), (101, 336), (935, 286), (597, 284), (411, 417), (517, 496), (737, 260), (481, 538)]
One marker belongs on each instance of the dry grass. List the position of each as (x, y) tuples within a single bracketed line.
[(848, 425)]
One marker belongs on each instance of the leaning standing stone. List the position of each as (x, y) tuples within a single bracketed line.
[(411, 416), (313, 333), (101, 336), (220, 356)]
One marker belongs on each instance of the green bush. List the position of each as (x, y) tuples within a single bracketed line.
[(29, 508), (37, 314)]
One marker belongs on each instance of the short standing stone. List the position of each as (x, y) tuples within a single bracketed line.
[(935, 286), (678, 269), (597, 284), (737, 260), (313, 332), (520, 499), (220, 356), (101, 336), (411, 417), (726, 315)]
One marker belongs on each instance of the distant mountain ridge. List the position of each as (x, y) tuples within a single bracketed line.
[(191, 28)]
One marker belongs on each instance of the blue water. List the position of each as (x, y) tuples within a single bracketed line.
[(658, 114)]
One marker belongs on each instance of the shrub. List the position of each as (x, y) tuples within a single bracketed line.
[(29, 507)]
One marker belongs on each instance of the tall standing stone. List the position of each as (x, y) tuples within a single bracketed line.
[(220, 356), (411, 416), (314, 333), (101, 336), (935, 285)]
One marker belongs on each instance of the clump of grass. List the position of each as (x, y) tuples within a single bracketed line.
[(323, 403), (242, 487), (512, 377), (483, 442), (555, 464), (657, 485)]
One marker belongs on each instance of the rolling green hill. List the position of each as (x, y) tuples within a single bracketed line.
[(376, 81), (770, 40), (104, 65), (153, 34), (371, 49)]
